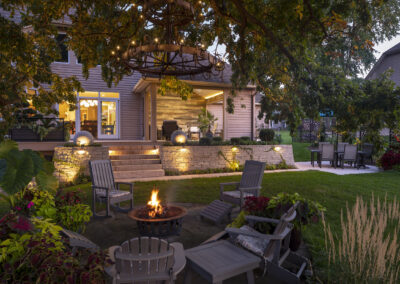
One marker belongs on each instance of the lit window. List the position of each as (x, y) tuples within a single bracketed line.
[(109, 95), (89, 94)]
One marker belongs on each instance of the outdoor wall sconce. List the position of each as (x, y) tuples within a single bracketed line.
[(155, 151), (178, 137), (83, 138), (183, 150), (81, 152), (235, 149)]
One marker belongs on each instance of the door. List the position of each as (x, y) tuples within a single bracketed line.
[(108, 118)]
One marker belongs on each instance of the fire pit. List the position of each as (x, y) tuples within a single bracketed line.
[(157, 220)]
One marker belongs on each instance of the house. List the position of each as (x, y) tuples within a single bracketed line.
[(390, 59), (133, 110)]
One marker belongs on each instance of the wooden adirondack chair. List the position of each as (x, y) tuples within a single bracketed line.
[(76, 241), (147, 260), (249, 185), (105, 189), (275, 250)]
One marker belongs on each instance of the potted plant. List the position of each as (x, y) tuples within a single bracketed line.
[(205, 120)]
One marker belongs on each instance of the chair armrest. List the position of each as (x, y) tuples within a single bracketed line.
[(261, 219), (180, 259), (131, 185), (236, 231), (249, 188), (222, 184)]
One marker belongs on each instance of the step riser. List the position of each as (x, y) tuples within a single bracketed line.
[(132, 152), (133, 157), (139, 147), (138, 167), (117, 163), (138, 174)]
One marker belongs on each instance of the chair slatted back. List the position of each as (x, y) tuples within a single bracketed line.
[(253, 173), (350, 152), (145, 258), (273, 248), (328, 151), (102, 174), (341, 145)]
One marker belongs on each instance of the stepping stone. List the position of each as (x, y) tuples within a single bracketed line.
[(216, 211)]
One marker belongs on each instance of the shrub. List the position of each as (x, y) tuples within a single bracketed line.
[(365, 251), (390, 159), (245, 138), (205, 141), (267, 134), (256, 205), (235, 141)]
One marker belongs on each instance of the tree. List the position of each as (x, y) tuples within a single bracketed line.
[(284, 47)]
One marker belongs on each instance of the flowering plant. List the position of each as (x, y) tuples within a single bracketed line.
[(390, 159)]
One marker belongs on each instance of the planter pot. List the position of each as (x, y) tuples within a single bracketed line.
[(295, 239)]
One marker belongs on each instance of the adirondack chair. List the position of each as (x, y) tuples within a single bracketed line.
[(105, 189), (76, 241), (249, 185), (273, 249), (146, 260)]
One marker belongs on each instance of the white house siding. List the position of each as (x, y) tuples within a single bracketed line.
[(217, 111), (239, 123), (131, 105), (388, 62)]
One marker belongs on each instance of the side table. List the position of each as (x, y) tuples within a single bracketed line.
[(220, 260)]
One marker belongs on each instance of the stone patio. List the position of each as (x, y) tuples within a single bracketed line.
[(119, 228)]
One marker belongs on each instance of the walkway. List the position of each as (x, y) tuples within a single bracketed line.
[(301, 166)]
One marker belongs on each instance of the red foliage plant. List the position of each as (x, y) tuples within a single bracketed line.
[(64, 198), (256, 205), (390, 159)]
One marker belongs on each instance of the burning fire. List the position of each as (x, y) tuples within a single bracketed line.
[(154, 204)]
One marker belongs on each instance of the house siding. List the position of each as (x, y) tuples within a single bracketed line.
[(239, 123), (388, 62), (131, 105), (218, 111)]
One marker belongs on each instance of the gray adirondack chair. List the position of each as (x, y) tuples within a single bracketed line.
[(274, 249), (146, 260), (249, 185), (76, 240), (105, 189)]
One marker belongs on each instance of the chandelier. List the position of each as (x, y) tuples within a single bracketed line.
[(168, 55)]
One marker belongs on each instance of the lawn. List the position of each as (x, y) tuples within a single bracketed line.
[(301, 152), (332, 191)]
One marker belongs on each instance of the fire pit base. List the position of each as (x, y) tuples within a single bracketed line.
[(160, 227)]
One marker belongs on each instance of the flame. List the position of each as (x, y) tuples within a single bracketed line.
[(154, 203)]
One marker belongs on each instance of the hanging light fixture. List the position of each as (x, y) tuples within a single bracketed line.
[(167, 54)]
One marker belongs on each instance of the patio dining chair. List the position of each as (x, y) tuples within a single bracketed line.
[(273, 249), (340, 146), (349, 155), (146, 260), (368, 149), (106, 190), (327, 154), (249, 185)]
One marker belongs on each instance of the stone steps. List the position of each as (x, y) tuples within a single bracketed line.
[(138, 174), (135, 161), (138, 167)]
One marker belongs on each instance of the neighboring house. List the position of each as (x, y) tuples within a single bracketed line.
[(133, 110), (261, 123), (390, 59)]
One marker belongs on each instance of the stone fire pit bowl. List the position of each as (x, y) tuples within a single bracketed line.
[(168, 225)]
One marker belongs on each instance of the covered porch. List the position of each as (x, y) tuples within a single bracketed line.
[(158, 110)]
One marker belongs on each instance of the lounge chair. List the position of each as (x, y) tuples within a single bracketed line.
[(105, 189), (146, 260), (249, 185), (349, 155), (273, 249), (327, 154)]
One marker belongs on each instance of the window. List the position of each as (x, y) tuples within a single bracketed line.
[(109, 95), (89, 94), (63, 48)]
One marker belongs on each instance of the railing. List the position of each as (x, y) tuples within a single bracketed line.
[(37, 129)]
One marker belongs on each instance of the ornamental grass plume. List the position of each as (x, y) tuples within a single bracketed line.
[(367, 249)]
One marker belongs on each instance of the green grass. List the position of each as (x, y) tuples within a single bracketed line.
[(285, 135), (332, 191), (300, 150)]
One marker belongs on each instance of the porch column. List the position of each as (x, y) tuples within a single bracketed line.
[(225, 116), (146, 113), (153, 96)]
